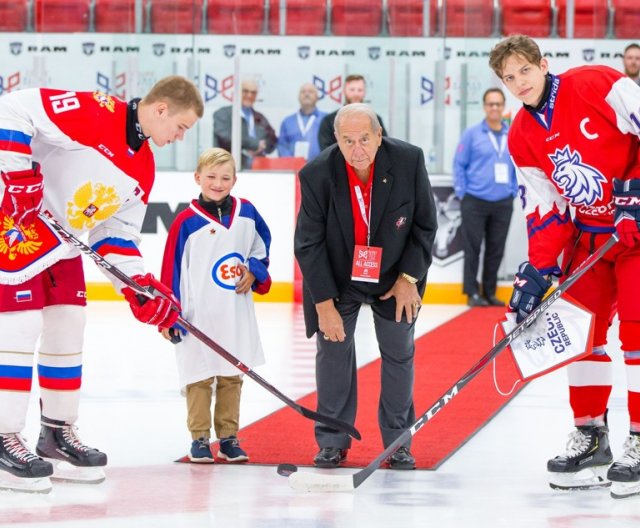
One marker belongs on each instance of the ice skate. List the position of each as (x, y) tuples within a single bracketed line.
[(72, 460), (624, 473), (20, 469), (584, 464)]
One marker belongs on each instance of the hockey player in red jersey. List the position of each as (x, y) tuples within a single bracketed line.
[(84, 157), (575, 144)]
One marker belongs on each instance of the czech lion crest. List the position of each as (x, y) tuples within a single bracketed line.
[(580, 183)]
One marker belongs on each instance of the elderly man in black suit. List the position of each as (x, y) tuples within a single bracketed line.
[(364, 234)]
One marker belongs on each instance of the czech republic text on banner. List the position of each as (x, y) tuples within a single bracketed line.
[(563, 334)]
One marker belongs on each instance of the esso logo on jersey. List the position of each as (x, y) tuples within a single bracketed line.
[(227, 271)]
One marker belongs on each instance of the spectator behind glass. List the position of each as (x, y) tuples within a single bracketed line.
[(299, 132), (258, 137), (631, 62), (485, 181), (355, 90)]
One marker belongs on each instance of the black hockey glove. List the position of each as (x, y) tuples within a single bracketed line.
[(626, 196), (529, 288)]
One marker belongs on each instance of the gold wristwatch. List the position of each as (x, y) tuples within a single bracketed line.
[(408, 278)]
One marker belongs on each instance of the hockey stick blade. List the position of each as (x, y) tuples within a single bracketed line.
[(199, 334), (306, 481), (318, 482)]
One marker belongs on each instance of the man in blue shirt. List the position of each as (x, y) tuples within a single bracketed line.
[(299, 132), (485, 182)]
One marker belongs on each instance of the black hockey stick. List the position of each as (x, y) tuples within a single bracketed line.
[(103, 263), (307, 481)]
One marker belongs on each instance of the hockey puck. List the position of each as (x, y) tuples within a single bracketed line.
[(286, 469)]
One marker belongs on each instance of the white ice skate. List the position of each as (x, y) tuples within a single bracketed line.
[(624, 473)]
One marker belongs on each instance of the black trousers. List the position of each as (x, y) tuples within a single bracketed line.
[(336, 374), (488, 221)]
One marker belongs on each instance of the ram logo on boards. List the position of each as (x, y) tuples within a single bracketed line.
[(304, 52), (88, 48), (226, 272), (159, 49), (374, 52), (15, 48), (588, 54), (229, 50)]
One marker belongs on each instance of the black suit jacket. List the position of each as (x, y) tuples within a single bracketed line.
[(403, 223)]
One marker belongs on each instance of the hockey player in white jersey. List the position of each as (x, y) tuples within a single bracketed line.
[(84, 157), (575, 143)]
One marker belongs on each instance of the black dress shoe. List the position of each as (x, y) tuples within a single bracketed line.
[(329, 457), (402, 459), (494, 301), (476, 300)]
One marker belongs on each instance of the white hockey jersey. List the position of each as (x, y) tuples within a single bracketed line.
[(200, 265), (93, 181), (569, 155)]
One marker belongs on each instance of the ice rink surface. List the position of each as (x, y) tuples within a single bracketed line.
[(132, 410)]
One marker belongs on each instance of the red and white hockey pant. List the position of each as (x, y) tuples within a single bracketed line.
[(49, 307), (613, 284)]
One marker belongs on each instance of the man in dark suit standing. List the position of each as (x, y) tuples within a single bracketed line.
[(364, 234), (257, 136)]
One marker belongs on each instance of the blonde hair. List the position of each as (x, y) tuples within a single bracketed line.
[(178, 92), (520, 45), (215, 156)]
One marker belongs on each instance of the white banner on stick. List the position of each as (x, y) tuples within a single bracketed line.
[(561, 335)]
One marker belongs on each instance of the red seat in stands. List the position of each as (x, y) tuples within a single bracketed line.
[(175, 16), (590, 18), (62, 16), (356, 17), (528, 17), (235, 17), (626, 21), (13, 15), (115, 16), (406, 17), (468, 18), (303, 17)]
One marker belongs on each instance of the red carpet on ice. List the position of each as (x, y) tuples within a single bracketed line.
[(442, 357)]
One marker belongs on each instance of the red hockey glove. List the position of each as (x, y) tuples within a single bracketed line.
[(22, 198), (163, 310), (626, 196)]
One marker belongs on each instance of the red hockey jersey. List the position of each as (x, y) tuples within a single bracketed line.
[(569, 155)]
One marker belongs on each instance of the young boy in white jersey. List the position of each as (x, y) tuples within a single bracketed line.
[(575, 143), (217, 254)]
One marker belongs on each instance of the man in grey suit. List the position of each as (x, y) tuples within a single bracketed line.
[(364, 234), (258, 137)]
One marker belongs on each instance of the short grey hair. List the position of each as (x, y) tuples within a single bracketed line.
[(357, 108)]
